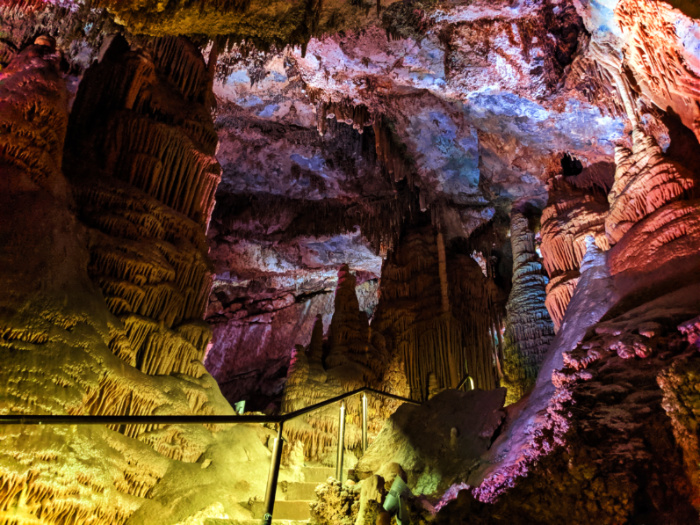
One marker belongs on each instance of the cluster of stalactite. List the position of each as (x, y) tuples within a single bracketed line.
[(427, 319), (158, 137), (392, 153), (570, 216), (34, 119), (596, 76), (645, 180), (148, 210), (378, 219), (654, 215), (357, 116), (651, 196), (529, 328)]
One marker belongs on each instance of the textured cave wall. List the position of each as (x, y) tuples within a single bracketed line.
[(529, 328), (571, 214), (67, 339)]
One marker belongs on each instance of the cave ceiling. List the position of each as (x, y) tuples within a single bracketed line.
[(480, 101)]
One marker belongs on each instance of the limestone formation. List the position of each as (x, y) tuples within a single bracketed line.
[(571, 215), (427, 319), (644, 182), (529, 328), (345, 361), (65, 349), (305, 197)]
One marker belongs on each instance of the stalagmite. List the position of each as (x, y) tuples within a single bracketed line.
[(346, 361), (529, 328)]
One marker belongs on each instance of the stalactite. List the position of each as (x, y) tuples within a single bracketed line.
[(148, 250), (411, 314), (529, 326), (356, 115), (645, 180), (391, 152), (571, 215)]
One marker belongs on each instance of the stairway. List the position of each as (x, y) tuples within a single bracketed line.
[(292, 501)]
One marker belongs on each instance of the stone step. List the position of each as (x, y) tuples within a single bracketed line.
[(320, 474), (299, 491), (284, 510)]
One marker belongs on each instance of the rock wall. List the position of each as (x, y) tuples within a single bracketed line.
[(102, 317)]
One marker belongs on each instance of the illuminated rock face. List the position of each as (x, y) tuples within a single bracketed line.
[(571, 215), (644, 182), (113, 312)]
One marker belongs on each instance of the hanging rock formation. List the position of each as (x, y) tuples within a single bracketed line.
[(571, 215), (529, 328), (148, 209), (427, 319), (644, 181)]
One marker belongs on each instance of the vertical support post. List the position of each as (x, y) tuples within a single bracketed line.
[(364, 422), (341, 444), (272, 477)]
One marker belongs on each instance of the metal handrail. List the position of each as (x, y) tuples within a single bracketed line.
[(52, 419)]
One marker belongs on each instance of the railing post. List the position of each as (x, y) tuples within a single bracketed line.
[(272, 477), (364, 423), (341, 444)]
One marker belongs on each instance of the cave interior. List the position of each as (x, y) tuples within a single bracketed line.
[(475, 222)]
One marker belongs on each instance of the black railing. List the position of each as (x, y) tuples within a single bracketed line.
[(51, 419)]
